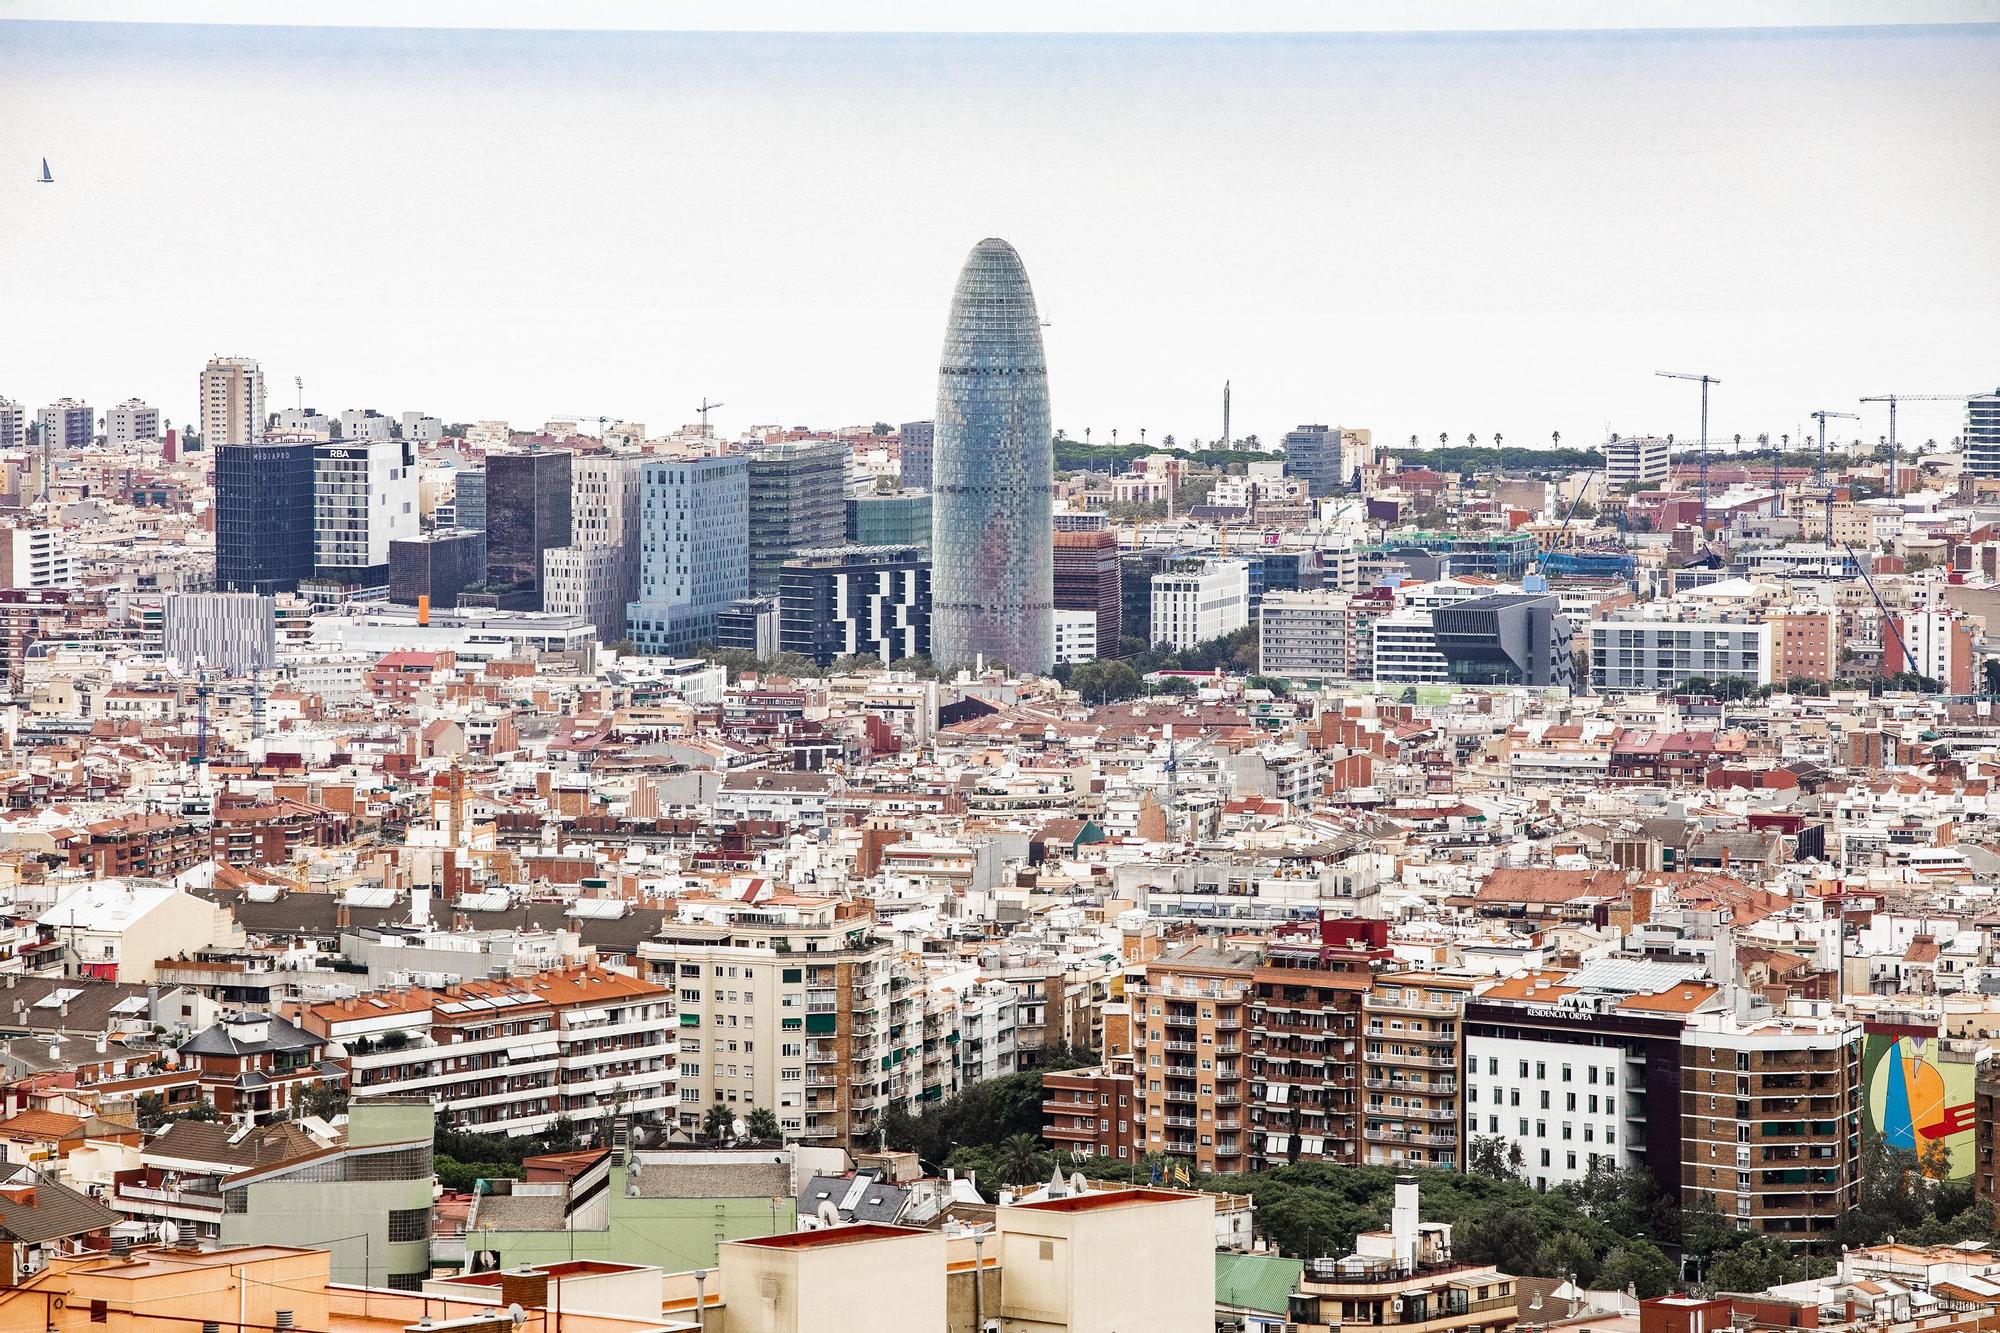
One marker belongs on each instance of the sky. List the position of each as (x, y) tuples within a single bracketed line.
[(1416, 232)]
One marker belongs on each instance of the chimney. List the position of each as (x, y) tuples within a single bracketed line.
[(1403, 1223)]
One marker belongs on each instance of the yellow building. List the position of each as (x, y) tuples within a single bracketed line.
[(1101, 1263), (250, 1286), (1404, 1279)]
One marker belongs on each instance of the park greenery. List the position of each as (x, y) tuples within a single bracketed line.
[(1729, 689)]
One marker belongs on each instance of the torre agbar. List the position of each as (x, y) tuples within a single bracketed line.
[(993, 472)]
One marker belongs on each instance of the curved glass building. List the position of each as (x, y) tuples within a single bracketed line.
[(993, 474)]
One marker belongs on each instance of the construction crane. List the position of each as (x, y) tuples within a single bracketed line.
[(1704, 381), (706, 408), (1892, 399), (1819, 468), (1888, 621)]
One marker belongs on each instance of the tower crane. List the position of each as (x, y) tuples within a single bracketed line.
[(705, 409), (1819, 468), (1704, 380), (1892, 399)]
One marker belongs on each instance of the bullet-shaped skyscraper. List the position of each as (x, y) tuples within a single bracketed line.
[(993, 474)]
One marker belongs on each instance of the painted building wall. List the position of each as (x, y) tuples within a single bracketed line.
[(1917, 1095)]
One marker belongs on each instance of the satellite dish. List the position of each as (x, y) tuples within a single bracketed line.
[(828, 1214), (517, 1315)]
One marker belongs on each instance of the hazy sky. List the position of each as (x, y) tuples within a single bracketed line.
[(1412, 232)]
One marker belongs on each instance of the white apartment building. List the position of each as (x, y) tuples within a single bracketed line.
[(1644, 653), (305, 421), (13, 424), (511, 1056), (36, 558), (131, 422), (1192, 606), (364, 497), (365, 424), (1639, 463), (66, 423), (1406, 649), (784, 1004), (1303, 636), (422, 429), (232, 402), (1076, 636)]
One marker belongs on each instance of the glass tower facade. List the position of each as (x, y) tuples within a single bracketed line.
[(263, 517), (993, 474)]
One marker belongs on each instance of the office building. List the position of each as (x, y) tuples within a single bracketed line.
[(35, 557), (1771, 1121), (131, 422), (1505, 639), (993, 471), (67, 424), (469, 499), (1324, 457), (264, 517), (222, 633), (527, 513), (13, 425), (872, 600), (1086, 580), (365, 424), (915, 440), (439, 565), (749, 625), (1649, 653), (364, 497), (1982, 435), (1305, 636), (798, 492), (890, 518), (1637, 463), (232, 402), (1202, 600), (694, 527), (597, 575), (1076, 637)]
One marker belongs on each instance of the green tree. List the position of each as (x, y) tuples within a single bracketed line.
[(1275, 684), (1178, 686), (1494, 1156), (719, 1125), (1641, 1265), (982, 1116), (1104, 681), (1507, 1237), (1567, 1253), (1758, 1264), (1021, 1159), (324, 1100), (151, 1110), (762, 1124)]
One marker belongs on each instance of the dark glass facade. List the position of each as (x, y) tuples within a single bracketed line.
[(1314, 455), (993, 473), (263, 517), (915, 441), (893, 518), (855, 599), (527, 512), (440, 566), (798, 502), (470, 505)]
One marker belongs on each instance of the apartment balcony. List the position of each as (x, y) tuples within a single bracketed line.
[(1413, 1061), (1436, 1087), (1414, 1138)]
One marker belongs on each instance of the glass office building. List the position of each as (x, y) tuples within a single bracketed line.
[(993, 471), (263, 517)]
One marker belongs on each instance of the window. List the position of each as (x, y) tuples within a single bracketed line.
[(409, 1224)]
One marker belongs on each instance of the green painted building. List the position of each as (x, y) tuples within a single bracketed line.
[(367, 1201)]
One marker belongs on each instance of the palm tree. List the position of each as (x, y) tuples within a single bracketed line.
[(762, 1125), (1784, 443), (1557, 437), (719, 1124), (1020, 1159), (1496, 439), (1739, 442), (1471, 440)]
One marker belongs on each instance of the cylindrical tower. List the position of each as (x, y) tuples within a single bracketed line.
[(993, 474)]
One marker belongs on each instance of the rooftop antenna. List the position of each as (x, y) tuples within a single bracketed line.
[(706, 408), (1225, 414), (299, 383)]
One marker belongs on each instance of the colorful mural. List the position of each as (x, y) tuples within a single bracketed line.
[(1914, 1098)]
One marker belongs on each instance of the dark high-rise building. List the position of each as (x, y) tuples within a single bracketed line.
[(1086, 579), (993, 473), (438, 565), (1314, 455), (855, 599), (890, 518), (798, 502), (263, 517), (470, 507), (1507, 639), (1135, 589), (527, 513), (916, 439), (750, 625)]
